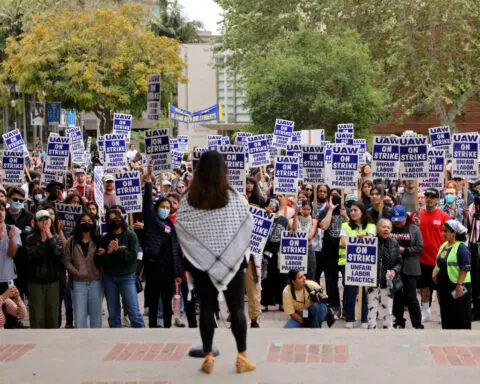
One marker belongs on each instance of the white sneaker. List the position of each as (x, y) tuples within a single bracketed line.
[(349, 325), (126, 322), (365, 325), (426, 315)]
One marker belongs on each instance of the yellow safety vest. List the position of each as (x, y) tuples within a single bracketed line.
[(342, 253), (452, 263)]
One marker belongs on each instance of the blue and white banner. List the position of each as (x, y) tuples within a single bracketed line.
[(385, 157), (262, 224), (439, 136), (282, 132), (58, 153), (158, 150), (258, 150), (213, 142), (286, 175), (13, 168), (128, 191), (98, 183), (122, 124), (182, 143), (213, 113), (413, 157), (197, 154), (344, 167), (115, 153), (436, 170), (313, 164), (235, 159), (344, 138), (361, 262), (293, 251), (345, 128), (54, 110), (153, 97), (465, 155), (70, 214)]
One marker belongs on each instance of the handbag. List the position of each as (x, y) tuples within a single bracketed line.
[(138, 284)]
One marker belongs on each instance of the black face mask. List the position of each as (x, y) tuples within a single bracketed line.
[(116, 223), (86, 227)]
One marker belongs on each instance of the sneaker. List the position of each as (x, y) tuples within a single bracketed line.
[(145, 312), (419, 327), (179, 323), (399, 326), (426, 315), (365, 325), (254, 324), (349, 325), (126, 322)]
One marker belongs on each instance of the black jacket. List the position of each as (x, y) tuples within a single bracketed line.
[(44, 259), (410, 238), (388, 258), (161, 243), (24, 223)]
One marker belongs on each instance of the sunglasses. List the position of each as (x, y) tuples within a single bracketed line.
[(18, 200), (308, 189)]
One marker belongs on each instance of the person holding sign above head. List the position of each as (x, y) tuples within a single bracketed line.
[(359, 226), (389, 264), (117, 255), (303, 301), (452, 276)]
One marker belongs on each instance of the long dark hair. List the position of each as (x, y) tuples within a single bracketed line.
[(365, 217), (209, 188), (292, 276), (77, 231), (365, 182), (119, 216)]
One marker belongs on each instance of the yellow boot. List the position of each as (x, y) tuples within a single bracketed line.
[(208, 363), (244, 365)]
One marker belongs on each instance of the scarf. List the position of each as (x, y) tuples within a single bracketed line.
[(215, 241)]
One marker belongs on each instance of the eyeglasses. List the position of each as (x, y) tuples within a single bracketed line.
[(308, 189), (18, 200)]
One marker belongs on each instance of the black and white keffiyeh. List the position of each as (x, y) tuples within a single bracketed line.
[(215, 241)]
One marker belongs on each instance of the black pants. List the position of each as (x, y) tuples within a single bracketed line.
[(189, 306), (158, 286), (273, 284), (475, 273), (320, 265), (408, 297), (234, 295), (455, 313), (330, 256)]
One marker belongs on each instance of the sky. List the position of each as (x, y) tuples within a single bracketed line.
[(206, 11)]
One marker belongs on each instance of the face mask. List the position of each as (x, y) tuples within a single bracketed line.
[(17, 206), (401, 189), (86, 227), (449, 199), (388, 204), (38, 197), (116, 223), (163, 213)]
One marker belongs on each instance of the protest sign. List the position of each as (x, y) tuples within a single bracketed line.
[(182, 144), (345, 128), (128, 191), (344, 167), (293, 251), (465, 155), (344, 138), (13, 140), (197, 154), (413, 157), (153, 97), (225, 140), (439, 136), (234, 156), (385, 157), (286, 175), (313, 164), (76, 144), (53, 112), (242, 138), (436, 170), (48, 176), (157, 148), (213, 142), (174, 144), (122, 124), (362, 144), (115, 156), (13, 167), (58, 153), (282, 132), (70, 214), (295, 150), (361, 262), (258, 150), (262, 224), (296, 137), (98, 183), (177, 158)]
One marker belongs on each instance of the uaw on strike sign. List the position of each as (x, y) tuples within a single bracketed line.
[(361, 262)]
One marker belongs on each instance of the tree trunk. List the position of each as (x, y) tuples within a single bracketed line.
[(106, 120), (450, 118)]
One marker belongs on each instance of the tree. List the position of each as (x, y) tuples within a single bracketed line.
[(94, 60), (316, 80), (170, 23)]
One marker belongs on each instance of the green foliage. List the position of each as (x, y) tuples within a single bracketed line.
[(315, 79)]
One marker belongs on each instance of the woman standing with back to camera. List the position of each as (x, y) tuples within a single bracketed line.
[(214, 228)]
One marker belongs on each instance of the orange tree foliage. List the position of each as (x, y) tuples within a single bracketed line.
[(95, 60)]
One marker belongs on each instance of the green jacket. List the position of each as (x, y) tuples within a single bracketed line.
[(123, 261)]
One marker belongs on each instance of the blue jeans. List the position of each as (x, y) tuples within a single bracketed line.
[(317, 314), (350, 295), (124, 285), (87, 299)]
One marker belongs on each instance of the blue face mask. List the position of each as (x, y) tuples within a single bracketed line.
[(38, 197), (449, 199), (17, 206), (163, 213)]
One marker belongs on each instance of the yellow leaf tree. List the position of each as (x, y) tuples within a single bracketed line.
[(95, 60)]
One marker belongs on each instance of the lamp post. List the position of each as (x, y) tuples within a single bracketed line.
[(13, 103)]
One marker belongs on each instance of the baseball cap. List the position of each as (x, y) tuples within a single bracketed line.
[(432, 192), (166, 182), (80, 170), (108, 178), (399, 212), (351, 198), (42, 214)]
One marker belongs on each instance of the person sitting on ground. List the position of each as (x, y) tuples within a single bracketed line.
[(11, 304), (298, 304)]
